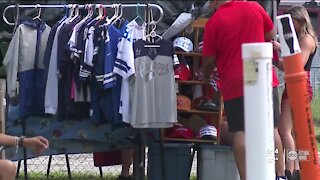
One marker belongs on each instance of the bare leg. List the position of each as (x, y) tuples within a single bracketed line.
[(239, 153), (225, 135), (126, 161), (285, 130), (7, 170), (279, 149), (296, 162)]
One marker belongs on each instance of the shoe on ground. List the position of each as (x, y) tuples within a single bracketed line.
[(296, 175), (281, 178), (288, 175)]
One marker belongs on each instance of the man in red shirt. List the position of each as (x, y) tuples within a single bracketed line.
[(233, 24)]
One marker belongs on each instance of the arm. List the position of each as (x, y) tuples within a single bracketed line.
[(38, 143), (279, 64), (7, 140), (208, 65), (269, 35), (307, 46), (277, 47)]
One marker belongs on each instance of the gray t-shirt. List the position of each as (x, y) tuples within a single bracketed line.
[(152, 88)]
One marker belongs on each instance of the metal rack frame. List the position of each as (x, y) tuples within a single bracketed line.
[(80, 6), (139, 160)]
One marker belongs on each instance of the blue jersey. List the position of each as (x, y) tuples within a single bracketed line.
[(112, 80)]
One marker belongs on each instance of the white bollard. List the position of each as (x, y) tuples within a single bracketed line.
[(258, 107)]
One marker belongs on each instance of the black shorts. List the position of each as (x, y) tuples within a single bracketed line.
[(234, 110)]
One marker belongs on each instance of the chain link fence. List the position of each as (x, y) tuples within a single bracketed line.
[(81, 167)]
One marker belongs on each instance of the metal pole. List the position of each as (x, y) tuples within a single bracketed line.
[(80, 6)]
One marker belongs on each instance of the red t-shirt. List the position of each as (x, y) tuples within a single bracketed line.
[(233, 24)]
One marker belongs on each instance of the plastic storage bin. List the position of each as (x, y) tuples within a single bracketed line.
[(216, 163), (177, 160)]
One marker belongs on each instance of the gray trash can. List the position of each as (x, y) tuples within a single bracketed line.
[(177, 160), (216, 162)]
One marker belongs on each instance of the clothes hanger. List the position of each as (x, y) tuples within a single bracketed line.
[(116, 12), (39, 13), (66, 11), (119, 16), (138, 17), (88, 7), (100, 14), (101, 11), (152, 34), (76, 12), (70, 11)]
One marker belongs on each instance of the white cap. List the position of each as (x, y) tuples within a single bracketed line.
[(208, 131), (183, 43)]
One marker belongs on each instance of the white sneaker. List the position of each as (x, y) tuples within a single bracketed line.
[(281, 178)]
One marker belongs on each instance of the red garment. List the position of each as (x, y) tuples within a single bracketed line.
[(275, 80), (309, 89), (233, 24)]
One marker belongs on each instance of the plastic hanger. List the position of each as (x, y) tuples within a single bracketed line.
[(138, 17), (100, 8), (66, 11), (152, 34), (76, 12), (102, 14), (88, 7), (39, 13), (115, 15), (119, 16), (70, 11)]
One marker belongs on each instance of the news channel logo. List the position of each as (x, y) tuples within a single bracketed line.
[(301, 155)]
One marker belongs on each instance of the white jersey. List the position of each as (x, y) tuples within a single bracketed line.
[(152, 88), (124, 65)]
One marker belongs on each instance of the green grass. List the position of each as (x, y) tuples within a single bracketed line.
[(315, 106), (64, 176), (75, 176), (317, 129)]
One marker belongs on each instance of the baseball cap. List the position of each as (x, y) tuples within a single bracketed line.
[(183, 103), (208, 132), (179, 131), (183, 43), (182, 72)]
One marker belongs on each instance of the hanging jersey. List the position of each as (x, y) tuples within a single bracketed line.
[(111, 51), (153, 86), (82, 92), (124, 65), (87, 66), (112, 81)]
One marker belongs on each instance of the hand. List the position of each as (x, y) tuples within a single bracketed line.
[(38, 144), (276, 45)]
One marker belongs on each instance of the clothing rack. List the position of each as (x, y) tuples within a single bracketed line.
[(82, 6), (139, 156)]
